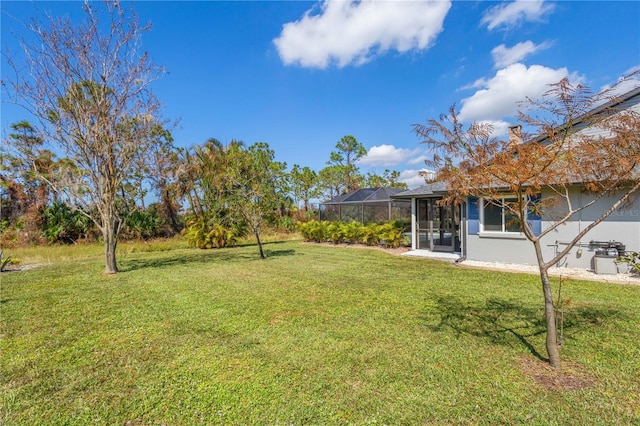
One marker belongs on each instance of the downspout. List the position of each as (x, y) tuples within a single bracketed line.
[(463, 234)]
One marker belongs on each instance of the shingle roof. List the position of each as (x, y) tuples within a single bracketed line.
[(430, 189), (607, 107)]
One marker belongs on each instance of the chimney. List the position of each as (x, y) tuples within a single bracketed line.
[(428, 175), (515, 135)]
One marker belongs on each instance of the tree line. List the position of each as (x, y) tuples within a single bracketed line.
[(212, 193), (98, 149)]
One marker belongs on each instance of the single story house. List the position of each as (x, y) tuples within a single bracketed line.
[(477, 230), (470, 230)]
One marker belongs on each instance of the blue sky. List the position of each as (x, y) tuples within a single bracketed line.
[(301, 75)]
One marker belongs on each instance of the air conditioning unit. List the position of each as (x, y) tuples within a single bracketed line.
[(605, 264)]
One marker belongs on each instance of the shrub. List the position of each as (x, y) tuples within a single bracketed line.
[(305, 230), (62, 224), (632, 259), (391, 234), (204, 235), (371, 235), (8, 237), (286, 223), (4, 261), (310, 215), (320, 232), (142, 225), (314, 231), (221, 236), (335, 232), (352, 232)]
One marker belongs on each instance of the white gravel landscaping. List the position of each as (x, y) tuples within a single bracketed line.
[(574, 273)]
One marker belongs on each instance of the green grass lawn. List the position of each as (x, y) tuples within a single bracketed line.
[(310, 335)]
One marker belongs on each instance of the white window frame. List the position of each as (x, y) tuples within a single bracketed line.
[(503, 232)]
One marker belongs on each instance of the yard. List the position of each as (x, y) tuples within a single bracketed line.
[(310, 335)]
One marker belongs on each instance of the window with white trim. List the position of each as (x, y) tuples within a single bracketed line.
[(495, 216)]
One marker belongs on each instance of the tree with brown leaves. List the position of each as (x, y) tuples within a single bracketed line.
[(573, 140)]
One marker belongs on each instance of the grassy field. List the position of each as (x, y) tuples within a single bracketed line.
[(310, 335)]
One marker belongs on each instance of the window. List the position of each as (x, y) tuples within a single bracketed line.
[(496, 216)]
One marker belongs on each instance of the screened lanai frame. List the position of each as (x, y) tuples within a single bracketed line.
[(367, 205)]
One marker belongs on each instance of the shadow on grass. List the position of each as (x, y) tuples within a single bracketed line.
[(278, 253), (500, 320), (202, 256)]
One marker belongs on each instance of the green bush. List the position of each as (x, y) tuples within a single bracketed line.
[(286, 223), (352, 232), (142, 225), (632, 259), (203, 235), (314, 231), (371, 235), (62, 224), (4, 261), (320, 232), (304, 228), (391, 234), (335, 232)]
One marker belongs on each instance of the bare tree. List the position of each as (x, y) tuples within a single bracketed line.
[(580, 141), (88, 84)]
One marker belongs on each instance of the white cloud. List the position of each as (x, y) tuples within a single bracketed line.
[(388, 155), (418, 159), (514, 13), (504, 56), (500, 127), (500, 95), (413, 178), (353, 32), (481, 82)]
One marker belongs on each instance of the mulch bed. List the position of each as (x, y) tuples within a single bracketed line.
[(570, 377)]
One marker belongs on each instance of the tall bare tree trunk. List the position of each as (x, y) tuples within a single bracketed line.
[(170, 214), (110, 236), (550, 314), (552, 332)]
